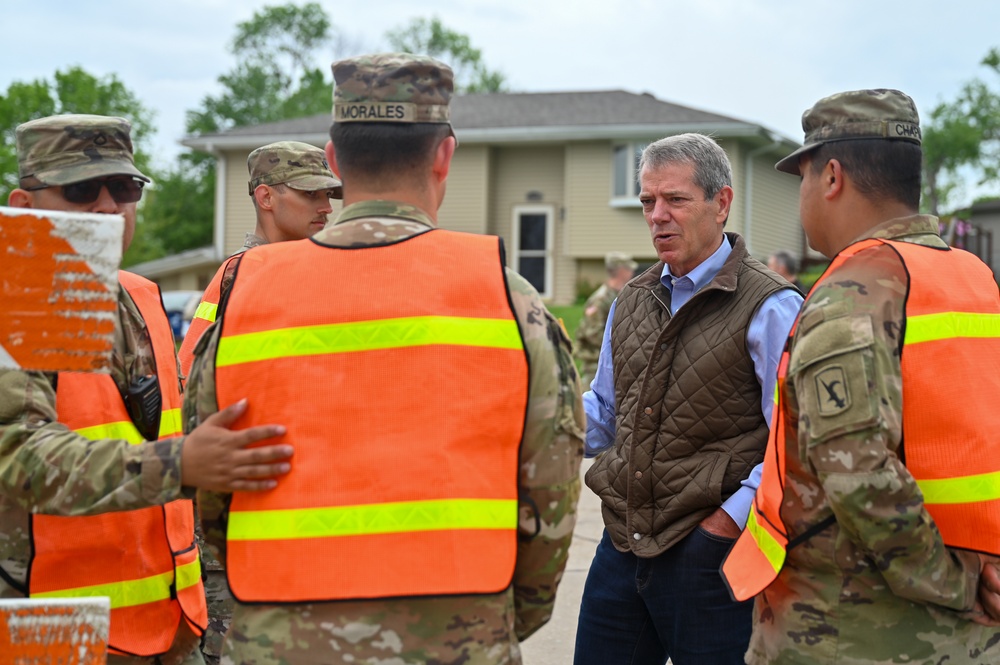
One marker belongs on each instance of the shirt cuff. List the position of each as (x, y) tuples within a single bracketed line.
[(738, 505)]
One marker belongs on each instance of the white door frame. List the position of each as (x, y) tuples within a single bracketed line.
[(550, 212)]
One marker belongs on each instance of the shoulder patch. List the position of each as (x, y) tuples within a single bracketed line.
[(832, 393)]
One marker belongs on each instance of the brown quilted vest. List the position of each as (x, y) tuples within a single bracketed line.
[(689, 426)]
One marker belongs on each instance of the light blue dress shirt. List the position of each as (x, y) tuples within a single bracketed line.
[(765, 338)]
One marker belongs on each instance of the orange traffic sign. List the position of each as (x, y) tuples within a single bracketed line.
[(58, 289), (67, 631)]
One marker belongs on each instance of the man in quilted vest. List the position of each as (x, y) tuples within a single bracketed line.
[(84, 163), (678, 419)]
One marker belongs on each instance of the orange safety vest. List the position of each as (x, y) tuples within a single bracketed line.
[(952, 332), (402, 378), (145, 560), (203, 317)]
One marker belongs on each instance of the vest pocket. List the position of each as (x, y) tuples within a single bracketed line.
[(692, 484)]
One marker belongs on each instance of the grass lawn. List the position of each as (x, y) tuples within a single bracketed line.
[(570, 315)]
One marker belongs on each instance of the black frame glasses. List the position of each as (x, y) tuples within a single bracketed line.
[(123, 189)]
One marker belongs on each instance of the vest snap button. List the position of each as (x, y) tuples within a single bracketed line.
[(663, 347), (638, 474), (637, 536), (648, 411)]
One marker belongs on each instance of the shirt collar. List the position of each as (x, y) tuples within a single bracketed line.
[(383, 208), (704, 272)]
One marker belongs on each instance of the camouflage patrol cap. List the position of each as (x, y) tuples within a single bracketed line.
[(298, 165), (63, 149), (858, 114), (392, 87), (615, 260)]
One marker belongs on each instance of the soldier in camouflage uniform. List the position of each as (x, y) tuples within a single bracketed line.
[(84, 163), (589, 334), (291, 186), (387, 204), (876, 584)]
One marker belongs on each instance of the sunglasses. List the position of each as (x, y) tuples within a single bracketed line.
[(123, 189)]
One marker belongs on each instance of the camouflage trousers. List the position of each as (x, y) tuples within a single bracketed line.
[(220, 615)]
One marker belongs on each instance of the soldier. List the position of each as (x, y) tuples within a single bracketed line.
[(677, 416), (435, 517), (863, 549), (76, 444), (291, 186), (589, 334)]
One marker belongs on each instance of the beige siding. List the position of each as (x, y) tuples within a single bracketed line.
[(466, 200), (594, 227), (516, 171), (775, 211), (737, 214), (240, 218)]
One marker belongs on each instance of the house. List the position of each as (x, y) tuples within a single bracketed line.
[(978, 233), (554, 175)]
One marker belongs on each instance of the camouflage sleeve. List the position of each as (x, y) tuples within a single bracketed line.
[(550, 460), (47, 468), (199, 404), (845, 366)]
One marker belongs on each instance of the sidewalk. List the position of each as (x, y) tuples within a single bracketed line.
[(553, 643)]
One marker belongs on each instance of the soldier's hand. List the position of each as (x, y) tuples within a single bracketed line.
[(215, 458), (989, 591)]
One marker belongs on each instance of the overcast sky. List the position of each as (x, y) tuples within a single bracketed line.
[(763, 61)]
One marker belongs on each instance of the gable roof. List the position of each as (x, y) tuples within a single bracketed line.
[(529, 116)]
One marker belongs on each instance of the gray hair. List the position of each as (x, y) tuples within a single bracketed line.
[(787, 261), (712, 170)]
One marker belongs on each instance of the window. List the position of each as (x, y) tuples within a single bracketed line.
[(625, 162), (533, 246)]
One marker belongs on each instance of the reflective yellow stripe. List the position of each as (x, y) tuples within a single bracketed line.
[(965, 489), (404, 516), (207, 311), (134, 592), (120, 430), (367, 336), (950, 325), (170, 425), (189, 574), (766, 543)]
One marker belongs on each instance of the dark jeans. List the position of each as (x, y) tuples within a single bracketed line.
[(642, 611)]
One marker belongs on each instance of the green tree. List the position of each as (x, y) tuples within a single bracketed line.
[(962, 136), (73, 90), (276, 79), (431, 37), (176, 213)]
